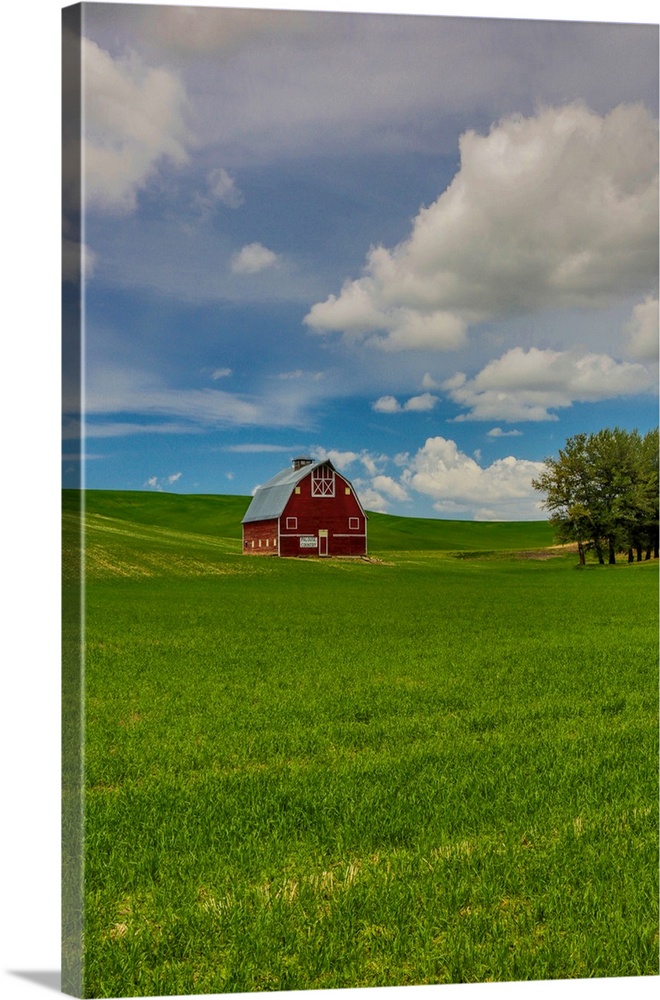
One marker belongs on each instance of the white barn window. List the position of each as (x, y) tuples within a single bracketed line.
[(353, 523), (323, 482)]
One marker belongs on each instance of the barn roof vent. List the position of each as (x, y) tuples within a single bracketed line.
[(302, 460)]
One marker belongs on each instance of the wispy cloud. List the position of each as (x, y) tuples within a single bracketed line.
[(158, 483), (298, 373), (222, 187), (121, 429), (130, 392), (248, 449)]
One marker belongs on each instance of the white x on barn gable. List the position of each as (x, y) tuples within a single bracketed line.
[(323, 482)]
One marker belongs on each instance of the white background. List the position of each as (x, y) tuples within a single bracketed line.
[(29, 368)]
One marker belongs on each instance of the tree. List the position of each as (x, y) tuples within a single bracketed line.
[(646, 528), (602, 492), (571, 496)]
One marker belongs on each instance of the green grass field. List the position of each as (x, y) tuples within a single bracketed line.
[(438, 766)]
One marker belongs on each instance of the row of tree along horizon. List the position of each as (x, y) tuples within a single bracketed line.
[(602, 493)]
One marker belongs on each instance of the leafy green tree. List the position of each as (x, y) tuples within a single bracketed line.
[(646, 528), (602, 492), (567, 484), (615, 456)]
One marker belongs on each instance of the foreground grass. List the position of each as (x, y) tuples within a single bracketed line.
[(327, 774)]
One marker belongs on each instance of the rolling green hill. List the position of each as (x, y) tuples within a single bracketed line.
[(199, 513), (220, 516), (388, 532)]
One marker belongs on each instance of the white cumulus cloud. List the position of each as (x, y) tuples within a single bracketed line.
[(457, 482), (527, 385), (555, 210), (497, 432), (419, 404), (373, 464), (340, 459), (253, 258), (134, 117), (642, 330), (389, 486), (371, 499), (386, 404)]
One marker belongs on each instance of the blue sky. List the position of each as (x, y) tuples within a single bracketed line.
[(425, 247)]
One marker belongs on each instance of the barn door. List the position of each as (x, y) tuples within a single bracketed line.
[(323, 541)]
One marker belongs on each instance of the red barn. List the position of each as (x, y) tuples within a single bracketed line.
[(308, 510)]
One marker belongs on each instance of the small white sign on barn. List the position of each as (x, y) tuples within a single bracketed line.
[(308, 542)]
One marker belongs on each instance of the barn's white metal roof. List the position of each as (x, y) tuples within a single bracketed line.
[(270, 499)]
